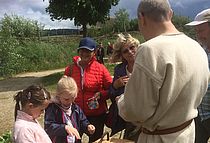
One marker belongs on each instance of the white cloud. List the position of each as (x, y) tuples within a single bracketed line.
[(34, 10), (177, 3)]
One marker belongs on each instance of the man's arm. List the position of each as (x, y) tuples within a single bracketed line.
[(140, 98)]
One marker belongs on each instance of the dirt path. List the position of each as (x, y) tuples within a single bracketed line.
[(9, 87)]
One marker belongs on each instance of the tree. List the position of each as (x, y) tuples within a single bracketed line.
[(83, 12), (122, 20), (134, 24), (180, 21)]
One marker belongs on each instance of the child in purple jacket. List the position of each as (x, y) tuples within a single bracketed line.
[(65, 122)]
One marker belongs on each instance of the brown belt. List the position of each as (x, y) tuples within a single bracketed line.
[(168, 130)]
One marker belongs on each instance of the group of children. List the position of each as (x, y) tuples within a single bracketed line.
[(64, 121)]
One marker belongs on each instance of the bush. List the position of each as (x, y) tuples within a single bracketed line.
[(6, 137), (10, 60), (16, 26), (28, 55)]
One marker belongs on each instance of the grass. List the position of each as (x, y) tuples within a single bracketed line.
[(6, 137), (50, 81), (110, 67)]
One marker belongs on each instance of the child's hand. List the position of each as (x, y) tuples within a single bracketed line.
[(91, 129), (72, 131)]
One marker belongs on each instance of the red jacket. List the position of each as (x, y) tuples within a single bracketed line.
[(95, 78)]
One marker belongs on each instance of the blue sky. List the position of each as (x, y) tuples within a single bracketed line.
[(35, 10)]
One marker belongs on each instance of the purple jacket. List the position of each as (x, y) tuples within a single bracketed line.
[(54, 123), (118, 123)]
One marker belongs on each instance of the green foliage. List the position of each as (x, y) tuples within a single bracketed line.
[(110, 68), (33, 56), (51, 81), (180, 21), (121, 23), (82, 11), (42, 56), (134, 25), (6, 137), (102, 29), (21, 51), (15, 26), (10, 60)]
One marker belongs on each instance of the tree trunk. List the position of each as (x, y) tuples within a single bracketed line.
[(84, 27)]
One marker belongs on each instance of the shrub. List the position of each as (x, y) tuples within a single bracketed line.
[(28, 55), (6, 137)]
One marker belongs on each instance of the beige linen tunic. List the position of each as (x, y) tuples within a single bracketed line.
[(169, 79)]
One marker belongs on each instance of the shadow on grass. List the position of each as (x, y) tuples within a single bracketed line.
[(17, 83), (51, 80)]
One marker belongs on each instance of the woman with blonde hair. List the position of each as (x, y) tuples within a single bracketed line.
[(124, 51)]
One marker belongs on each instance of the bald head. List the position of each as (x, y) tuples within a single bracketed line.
[(156, 10)]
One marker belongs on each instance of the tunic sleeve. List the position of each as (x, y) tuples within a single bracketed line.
[(140, 98)]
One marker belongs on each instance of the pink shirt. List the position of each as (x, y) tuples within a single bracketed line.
[(27, 130)]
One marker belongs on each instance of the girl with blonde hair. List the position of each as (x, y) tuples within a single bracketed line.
[(64, 120)]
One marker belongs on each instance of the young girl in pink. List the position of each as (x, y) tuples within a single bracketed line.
[(30, 104)]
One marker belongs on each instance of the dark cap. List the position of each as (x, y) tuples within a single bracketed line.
[(87, 43)]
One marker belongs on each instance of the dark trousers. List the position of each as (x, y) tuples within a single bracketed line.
[(131, 132), (98, 122), (202, 130)]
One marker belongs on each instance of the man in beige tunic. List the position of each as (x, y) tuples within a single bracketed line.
[(169, 79)]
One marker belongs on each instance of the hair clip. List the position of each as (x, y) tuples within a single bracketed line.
[(29, 95), (45, 95)]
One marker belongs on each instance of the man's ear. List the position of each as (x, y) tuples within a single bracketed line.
[(170, 14), (142, 19)]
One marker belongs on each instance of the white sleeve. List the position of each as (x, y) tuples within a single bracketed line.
[(140, 98)]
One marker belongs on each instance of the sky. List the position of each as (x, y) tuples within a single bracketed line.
[(35, 10)]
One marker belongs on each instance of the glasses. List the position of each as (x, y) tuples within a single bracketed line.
[(129, 49)]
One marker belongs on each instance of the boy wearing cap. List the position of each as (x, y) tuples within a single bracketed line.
[(93, 80), (201, 24)]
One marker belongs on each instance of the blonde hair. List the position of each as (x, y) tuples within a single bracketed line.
[(121, 42), (67, 84)]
